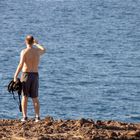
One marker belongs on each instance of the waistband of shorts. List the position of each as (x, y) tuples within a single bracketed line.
[(32, 73)]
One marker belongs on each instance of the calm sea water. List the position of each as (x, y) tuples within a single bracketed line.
[(92, 65)]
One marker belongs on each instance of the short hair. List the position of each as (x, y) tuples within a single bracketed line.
[(30, 39)]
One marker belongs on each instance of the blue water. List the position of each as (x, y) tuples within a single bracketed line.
[(92, 65)]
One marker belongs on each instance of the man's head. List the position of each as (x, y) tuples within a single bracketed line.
[(29, 40)]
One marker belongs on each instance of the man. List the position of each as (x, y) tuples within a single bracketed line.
[(29, 61)]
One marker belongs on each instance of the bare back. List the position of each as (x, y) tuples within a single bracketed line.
[(31, 61)]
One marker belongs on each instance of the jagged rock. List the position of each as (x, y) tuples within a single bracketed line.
[(49, 119), (99, 122), (113, 134)]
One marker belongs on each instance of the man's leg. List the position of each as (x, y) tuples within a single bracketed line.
[(24, 106), (36, 106)]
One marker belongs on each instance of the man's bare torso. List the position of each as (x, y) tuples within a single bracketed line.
[(31, 60)]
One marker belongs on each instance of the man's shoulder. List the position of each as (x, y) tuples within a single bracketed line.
[(23, 51)]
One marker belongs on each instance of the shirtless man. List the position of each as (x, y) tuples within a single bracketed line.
[(29, 61)]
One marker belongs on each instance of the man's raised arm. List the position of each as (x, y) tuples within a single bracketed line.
[(40, 47)]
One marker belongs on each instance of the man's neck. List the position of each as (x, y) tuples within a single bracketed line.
[(29, 46)]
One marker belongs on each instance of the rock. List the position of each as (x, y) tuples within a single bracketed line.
[(49, 119), (99, 122), (82, 121), (113, 134), (17, 138), (131, 133), (83, 129), (137, 134), (108, 122)]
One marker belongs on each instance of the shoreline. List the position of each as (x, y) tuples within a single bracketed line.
[(82, 129)]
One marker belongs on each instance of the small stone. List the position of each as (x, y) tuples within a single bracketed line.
[(114, 134), (99, 122), (49, 119), (108, 122), (49, 123), (82, 121)]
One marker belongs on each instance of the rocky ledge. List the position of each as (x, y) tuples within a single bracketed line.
[(83, 129)]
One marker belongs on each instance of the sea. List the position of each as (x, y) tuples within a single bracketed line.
[(91, 68)]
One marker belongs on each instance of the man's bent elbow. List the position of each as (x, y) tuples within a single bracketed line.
[(44, 50)]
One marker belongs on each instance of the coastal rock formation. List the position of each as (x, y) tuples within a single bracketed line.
[(83, 129)]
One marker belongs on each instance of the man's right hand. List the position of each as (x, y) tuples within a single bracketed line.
[(41, 48), (35, 42)]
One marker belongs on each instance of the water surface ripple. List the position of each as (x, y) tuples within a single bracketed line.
[(91, 68)]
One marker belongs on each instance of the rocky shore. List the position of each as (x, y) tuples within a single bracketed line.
[(83, 129)]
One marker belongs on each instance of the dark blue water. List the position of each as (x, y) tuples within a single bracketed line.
[(92, 65)]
